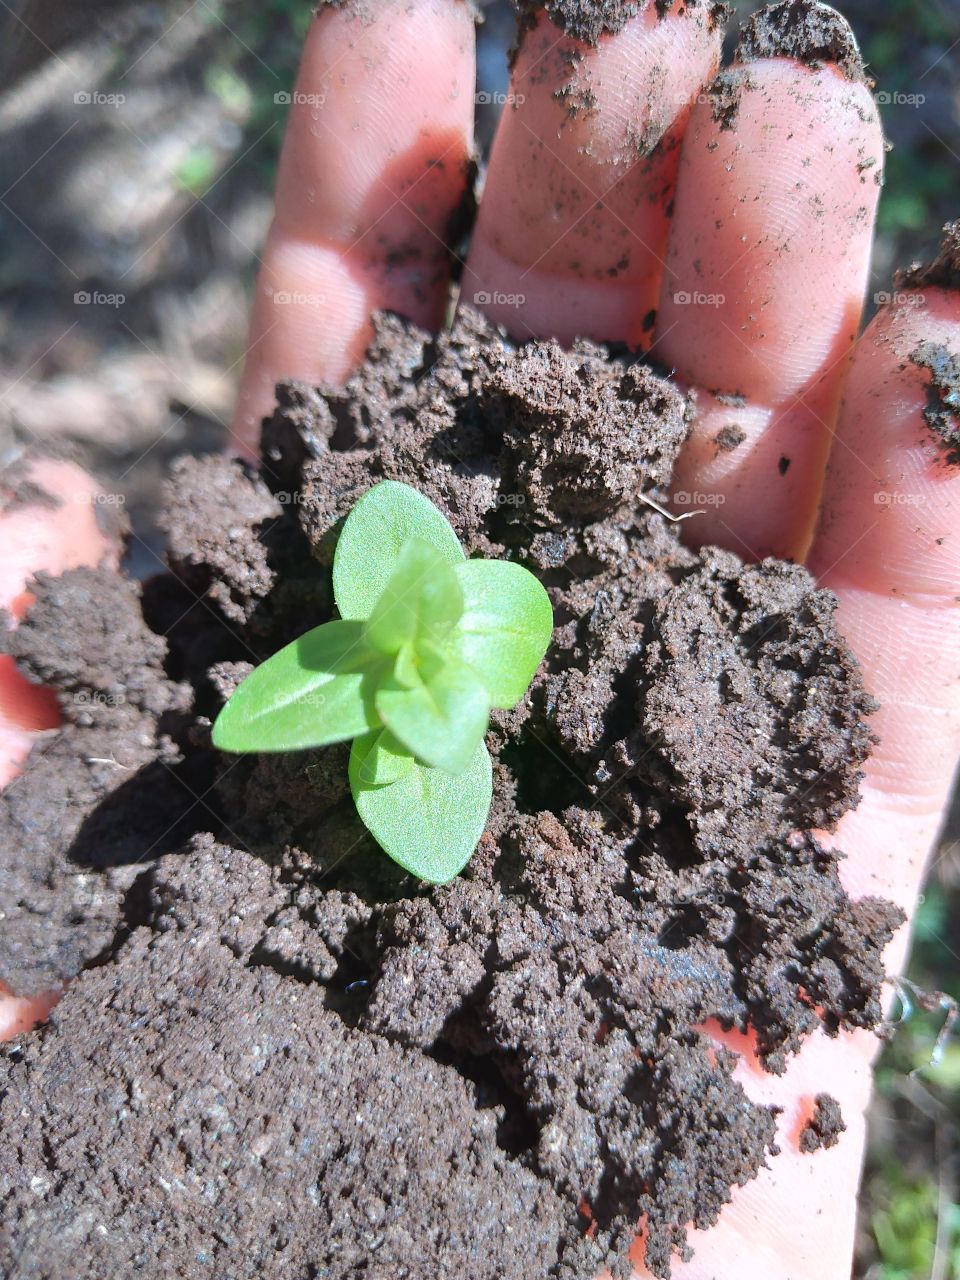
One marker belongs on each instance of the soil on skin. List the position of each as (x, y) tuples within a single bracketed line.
[(824, 1127), (942, 273), (806, 30), (725, 91), (942, 413), (729, 438), (288, 1057), (588, 20)]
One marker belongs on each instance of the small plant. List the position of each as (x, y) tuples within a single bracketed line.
[(427, 642)]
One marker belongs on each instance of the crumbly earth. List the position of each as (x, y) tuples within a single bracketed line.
[(588, 20), (942, 412), (942, 273), (806, 30), (824, 1127), (285, 1057)]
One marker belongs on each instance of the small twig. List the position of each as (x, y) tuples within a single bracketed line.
[(669, 514), (929, 1002), (107, 760)]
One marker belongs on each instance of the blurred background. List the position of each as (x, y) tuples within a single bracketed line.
[(138, 143)]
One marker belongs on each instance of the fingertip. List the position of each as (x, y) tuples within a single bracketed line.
[(576, 204), (70, 526), (19, 1014), (60, 529), (375, 166), (770, 244), (767, 267)]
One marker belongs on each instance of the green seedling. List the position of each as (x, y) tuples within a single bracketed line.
[(426, 643)]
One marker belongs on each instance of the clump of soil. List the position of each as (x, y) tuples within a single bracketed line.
[(806, 30), (942, 273), (725, 92), (729, 438), (942, 412), (289, 1057), (824, 1127), (588, 20)]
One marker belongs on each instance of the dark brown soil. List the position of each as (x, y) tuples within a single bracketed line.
[(824, 1127), (729, 438), (588, 20), (725, 91), (285, 1057), (806, 30), (942, 413), (810, 32), (943, 272)]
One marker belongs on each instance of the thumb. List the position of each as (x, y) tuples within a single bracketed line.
[(49, 523)]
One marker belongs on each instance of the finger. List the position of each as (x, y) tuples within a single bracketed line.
[(56, 531), (766, 270), (374, 168), (572, 228), (23, 1013), (887, 545), (797, 1218)]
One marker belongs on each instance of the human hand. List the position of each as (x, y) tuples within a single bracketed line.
[(772, 228), (394, 130)]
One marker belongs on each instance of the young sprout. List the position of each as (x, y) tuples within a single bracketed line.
[(426, 643)]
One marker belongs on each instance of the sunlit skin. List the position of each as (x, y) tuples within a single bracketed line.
[(369, 179)]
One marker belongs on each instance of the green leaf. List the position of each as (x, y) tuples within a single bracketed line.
[(315, 691), (371, 540), (382, 759), (422, 600), (506, 626), (427, 821), (443, 716)]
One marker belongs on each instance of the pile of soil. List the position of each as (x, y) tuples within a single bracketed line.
[(280, 1055)]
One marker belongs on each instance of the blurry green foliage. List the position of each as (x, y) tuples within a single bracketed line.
[(905, 1227)]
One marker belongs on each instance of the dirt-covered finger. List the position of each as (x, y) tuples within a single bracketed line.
[(54, 518), (798, 1216), (767, 265), (572, 228), (375, 168), (888, 546)]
